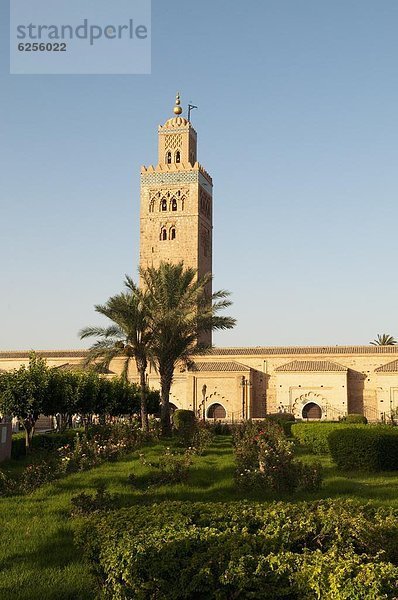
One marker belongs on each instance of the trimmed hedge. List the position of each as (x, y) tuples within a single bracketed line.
[(41, 441), (365, 448), (185, 423), (284, 420), (355, 418), (179, 550), (315, 435), (219, 428)]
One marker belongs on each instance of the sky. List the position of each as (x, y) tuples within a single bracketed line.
[(297, 124)]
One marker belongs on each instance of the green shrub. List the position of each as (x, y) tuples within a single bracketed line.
[(219, 428), (365, 448), (127, 436), (35, 475), (202, 438), (49, 441), (78, 453), (315, 435), (280, 417), (355, 418), (284, 420), (329, 550), (18, 448), (8, 485), (171, 467), (184, 422), (265, 460), (41, 441), (83, 504)]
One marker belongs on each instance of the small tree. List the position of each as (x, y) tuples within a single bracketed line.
[(126, 338), (62, 397), (178, 310), (88, 385), (24, 393)]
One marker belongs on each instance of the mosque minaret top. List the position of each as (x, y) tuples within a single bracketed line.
[(177, 121), (177, 108)]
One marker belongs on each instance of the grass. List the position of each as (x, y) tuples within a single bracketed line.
[(379, 488), (39, 560)]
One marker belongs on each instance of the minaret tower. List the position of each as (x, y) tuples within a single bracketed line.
[(176, 217)]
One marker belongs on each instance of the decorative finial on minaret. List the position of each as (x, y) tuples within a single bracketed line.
[(177, 109)]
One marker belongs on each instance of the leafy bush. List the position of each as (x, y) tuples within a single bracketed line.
[(365, 448), (355, 418), (35, 475), (172, 467), (102, 443), (84, 504), (82, 452), (285, 420), (18, 445), (202, 438), (280, 417), (265, 460), (315, 435), (126, 436), (8, 485), (329, 550), (219, 428), (41, 441), (184, 422)]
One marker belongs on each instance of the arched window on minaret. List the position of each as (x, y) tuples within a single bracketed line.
[(174, 204), (163, 234), (173, 233), (178, 156), (168, 158), (164, 205)]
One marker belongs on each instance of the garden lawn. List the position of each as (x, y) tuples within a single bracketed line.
[(39, 560)]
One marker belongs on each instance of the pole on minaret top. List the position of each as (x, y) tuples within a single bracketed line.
[(177, 109)]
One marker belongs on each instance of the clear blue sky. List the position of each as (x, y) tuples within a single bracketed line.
[(297, 124)]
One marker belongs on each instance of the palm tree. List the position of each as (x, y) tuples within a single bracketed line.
[(179, 311), (128, 337), (384, 340)]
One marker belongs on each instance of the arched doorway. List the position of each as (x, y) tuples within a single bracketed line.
[(216, 411), (173, 407), (312, 411)]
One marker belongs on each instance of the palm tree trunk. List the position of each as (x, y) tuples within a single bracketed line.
[(144, 408), (141, 368), (166, 378)]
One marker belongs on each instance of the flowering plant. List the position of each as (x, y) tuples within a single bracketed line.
[(172, 467), (265, 459)]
